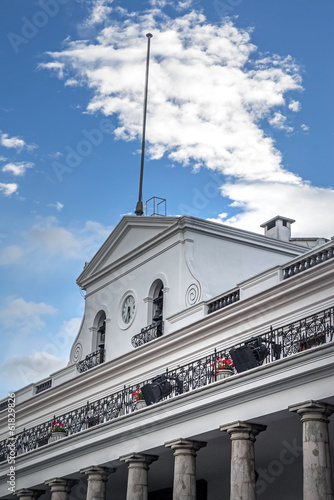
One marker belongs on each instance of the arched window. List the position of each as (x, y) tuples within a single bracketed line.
[(100, 330), (158, 306)]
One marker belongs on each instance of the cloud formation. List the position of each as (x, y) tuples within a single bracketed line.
[(18, 168), (15, 142), (58, 206), (9, 188), (48, 240), (22, 369), (24, 316), (210, 98), (99, 13)]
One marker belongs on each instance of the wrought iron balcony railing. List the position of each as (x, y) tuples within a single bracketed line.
[(91, 360), (286, 341), (149, 333)]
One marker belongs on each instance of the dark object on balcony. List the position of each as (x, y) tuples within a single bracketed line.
[(243, 358), (249, 355), (160, 388)]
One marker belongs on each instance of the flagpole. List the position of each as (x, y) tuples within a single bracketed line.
[(139, 206)]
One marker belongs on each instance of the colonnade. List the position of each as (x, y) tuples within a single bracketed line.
[(317, 475)]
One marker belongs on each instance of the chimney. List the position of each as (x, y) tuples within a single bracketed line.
[(278, 228)]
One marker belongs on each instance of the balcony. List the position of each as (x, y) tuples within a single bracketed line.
[(149, 333), (91, 360), (282, 342)]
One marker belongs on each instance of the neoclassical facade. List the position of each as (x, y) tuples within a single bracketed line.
[(203, 369)]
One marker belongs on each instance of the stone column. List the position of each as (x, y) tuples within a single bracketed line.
[(317, 472), (60, 488), (185, 467), (243, 458), (138, 465), (97, 478), (28, 494)]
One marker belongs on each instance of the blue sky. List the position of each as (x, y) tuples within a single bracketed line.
[(240, 129)]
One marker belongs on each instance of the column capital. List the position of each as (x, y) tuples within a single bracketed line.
[(139, 459), (99, 473), (242, 430), (185, 446), (313, 410), (30, 493), (58, 484)]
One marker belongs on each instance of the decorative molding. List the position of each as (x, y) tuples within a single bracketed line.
[(193, 294), (77, 353)]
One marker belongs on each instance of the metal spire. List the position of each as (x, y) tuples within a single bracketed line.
[(139, 206)]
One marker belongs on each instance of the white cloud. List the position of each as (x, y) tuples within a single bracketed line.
[(23, 369), (214, 92), (54, 66), (279, 121), (58, 206), (3, 158), (27, 369), (47, 240), (8, 189), (24, 316), (15, 142), (11, 254), (18, 168), (70, 328), (199, 85), (99, 13), (55, 155), (11, 142), (295, 106), (176, 4), (308, 205), (71, 82), (304, 127)]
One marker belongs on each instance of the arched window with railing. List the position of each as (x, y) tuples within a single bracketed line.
[(97, 356), (155, 315)]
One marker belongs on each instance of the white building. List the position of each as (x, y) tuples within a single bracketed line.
[(170, 296)]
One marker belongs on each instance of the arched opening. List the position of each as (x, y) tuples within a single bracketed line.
[(100, 325), (158, 306)]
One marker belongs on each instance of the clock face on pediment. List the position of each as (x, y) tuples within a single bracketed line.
[(128, 309)]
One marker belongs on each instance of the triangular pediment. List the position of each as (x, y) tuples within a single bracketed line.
[(129, 235)]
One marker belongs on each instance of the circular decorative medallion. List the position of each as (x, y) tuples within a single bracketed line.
[(77, 352), (192, 294), (128, 309)]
